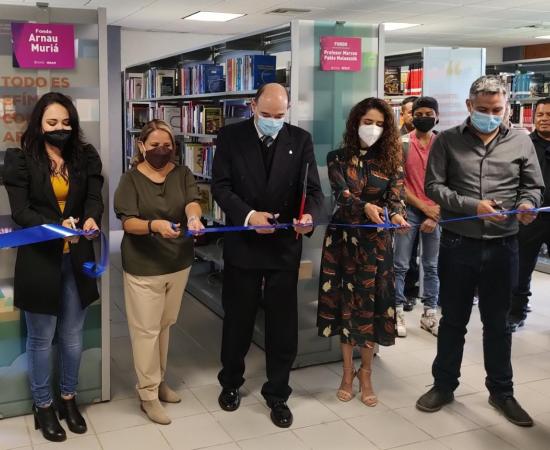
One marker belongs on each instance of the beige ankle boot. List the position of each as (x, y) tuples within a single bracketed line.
[(155, 411), (166, 394)]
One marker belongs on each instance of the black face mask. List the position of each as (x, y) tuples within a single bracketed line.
[(424, 124), (158, 157), (57, 138)]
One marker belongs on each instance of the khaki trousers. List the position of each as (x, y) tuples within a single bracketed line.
[(152, 306)]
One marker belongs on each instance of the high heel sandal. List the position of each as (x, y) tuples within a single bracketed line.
[(345, 391), (368, 397)]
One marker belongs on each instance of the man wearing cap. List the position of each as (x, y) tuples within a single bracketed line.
[(423, 213)]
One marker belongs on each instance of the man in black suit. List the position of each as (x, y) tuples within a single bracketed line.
[(258, 174)]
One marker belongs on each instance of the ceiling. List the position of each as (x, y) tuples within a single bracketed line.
[(446, 22)]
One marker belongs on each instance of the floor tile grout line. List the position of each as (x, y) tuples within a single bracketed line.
[(436, 437)]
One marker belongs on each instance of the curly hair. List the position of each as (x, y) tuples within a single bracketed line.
[(387, 149)]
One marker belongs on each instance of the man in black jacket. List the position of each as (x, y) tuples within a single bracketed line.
[(258, 173), (531, 237)]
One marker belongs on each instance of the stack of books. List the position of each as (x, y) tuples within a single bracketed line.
[(201, 79), (249, 72), (199, 158), (139, 114), (200, 118)]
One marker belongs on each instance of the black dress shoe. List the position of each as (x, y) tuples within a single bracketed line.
[(229, 399), (434, 400), (46, 421), (511, 409), (281, 415), (68, 410)]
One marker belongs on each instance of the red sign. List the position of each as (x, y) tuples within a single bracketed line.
[(341, 53)]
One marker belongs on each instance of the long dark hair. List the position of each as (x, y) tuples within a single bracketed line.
[(32, 140), (387, 150)]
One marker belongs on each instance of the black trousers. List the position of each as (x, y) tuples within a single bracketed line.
[(243, 292), (531, 238), (491, 265)]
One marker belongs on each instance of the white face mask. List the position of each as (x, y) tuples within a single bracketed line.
[(369, 134)]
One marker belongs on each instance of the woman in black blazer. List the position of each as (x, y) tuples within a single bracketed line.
[(54, 179)]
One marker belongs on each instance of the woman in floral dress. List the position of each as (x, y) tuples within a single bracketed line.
[(356, 289)]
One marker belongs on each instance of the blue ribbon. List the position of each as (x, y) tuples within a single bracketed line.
[(50, 232), (386, 225)]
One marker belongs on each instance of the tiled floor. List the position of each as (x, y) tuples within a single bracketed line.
[(401, 374)]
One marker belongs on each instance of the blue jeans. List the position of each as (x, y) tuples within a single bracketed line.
[(40, 333), (404, 246)]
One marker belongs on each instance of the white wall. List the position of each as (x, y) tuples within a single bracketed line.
[(140, 46)]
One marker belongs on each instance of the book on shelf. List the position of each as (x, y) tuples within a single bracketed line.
[(139, 114), (403, 80), (522, 116), (134, 86), (414, 81), (249, 72), (206, 200), (236, 110), (165, 80), (217, 214), (201, 79), (171, 114), (199, 158), (201, 118), (210, 209), (212, 120), (151, 84), (392, 81)]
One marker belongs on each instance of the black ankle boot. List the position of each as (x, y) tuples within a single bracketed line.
[(68, 410), (46, 421)]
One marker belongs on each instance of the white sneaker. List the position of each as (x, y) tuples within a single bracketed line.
[(400, 323), (430, 321)]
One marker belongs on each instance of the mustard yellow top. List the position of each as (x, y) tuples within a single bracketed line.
[(61, 191)]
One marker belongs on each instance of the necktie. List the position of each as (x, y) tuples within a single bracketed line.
[(267, 140)]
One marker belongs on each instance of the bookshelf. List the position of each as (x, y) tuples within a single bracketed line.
[(197, 92), (403, 77), (320, 101), (527, 82)]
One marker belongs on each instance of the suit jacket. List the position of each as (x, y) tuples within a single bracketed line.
[(37, 283), (240, 184)]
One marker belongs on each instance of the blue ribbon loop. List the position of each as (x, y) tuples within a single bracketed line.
[(50, 232)]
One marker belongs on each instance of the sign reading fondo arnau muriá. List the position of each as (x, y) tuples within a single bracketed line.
[(43, 45)]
